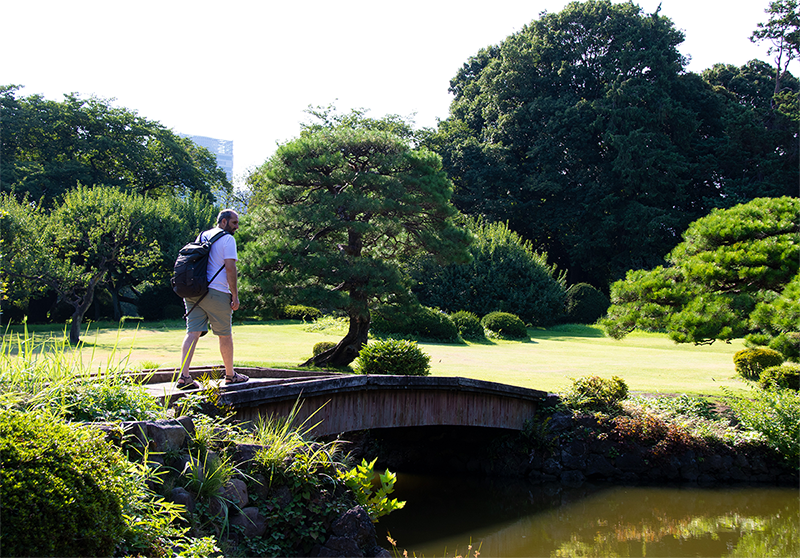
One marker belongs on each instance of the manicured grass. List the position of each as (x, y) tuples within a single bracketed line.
[(648, 362)]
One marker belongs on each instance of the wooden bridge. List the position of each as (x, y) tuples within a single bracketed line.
[(350, 402)]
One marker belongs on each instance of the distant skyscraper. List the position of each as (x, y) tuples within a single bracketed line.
[(222, 149)]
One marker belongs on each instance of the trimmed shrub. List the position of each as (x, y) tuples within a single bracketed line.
[(788, 344), (396, 357), (593, 393), (505, 324), (751, 362), (506, 273), (585, 304), (415, 321), (784, 376), (62, 488), (300, 312), (323, 346), (468, 324)]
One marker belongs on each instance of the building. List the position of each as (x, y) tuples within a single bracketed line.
[(222, 149)]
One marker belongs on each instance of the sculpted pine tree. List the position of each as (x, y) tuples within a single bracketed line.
[(337, 211)]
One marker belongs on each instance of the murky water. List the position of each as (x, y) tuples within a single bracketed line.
[(504, 518)]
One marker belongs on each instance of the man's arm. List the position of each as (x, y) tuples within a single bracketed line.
[(230, 272)]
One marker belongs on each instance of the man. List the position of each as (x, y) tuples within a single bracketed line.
[(217, 307)]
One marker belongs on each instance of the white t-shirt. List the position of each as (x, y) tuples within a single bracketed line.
[(224, 248)]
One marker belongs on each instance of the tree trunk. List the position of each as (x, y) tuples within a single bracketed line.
[(348, 348), (81, 305)]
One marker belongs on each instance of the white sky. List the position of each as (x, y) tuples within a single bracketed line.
[(245, 70)]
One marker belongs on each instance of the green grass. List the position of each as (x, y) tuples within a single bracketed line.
[(648, 362)]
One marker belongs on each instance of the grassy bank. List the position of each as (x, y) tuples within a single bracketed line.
[(648, 362)]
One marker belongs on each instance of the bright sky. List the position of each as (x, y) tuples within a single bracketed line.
[(246, 70)]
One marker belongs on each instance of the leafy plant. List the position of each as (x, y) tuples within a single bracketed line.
[(414, 321), (593, 393), (585, 304), (784, 376), (393, 357), (505, 324), (468, 324), (300, 312), (322, 346), (751, 362), (360, 479)]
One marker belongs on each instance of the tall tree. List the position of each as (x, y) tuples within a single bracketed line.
[(585, 134), (341, 209), (783, 32), (50, 147)]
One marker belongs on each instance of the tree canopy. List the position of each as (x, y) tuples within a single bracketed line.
[(717, 282), (585, 134), (341, 209), (49, 148)]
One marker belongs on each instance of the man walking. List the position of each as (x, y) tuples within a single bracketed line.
[(216, 308)]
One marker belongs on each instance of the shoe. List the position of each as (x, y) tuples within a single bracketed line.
[(187, 383), (237, 379)]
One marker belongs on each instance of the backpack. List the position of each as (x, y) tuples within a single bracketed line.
[(190, 274)]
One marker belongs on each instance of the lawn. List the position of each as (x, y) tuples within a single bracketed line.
[(648, 362)]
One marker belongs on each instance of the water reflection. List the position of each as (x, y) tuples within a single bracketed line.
[(515, 518)]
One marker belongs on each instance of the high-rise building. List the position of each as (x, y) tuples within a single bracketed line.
[(222, 149)]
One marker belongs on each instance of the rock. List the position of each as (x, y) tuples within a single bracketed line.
[(340, 547), (235, 492), (572, 478), (560, 422), (166, 435), (251, 520), (188, 425), (573, 456), (355, 524), (245, 453), (631, 461), (183, 497), (598, 465), (551, 467)]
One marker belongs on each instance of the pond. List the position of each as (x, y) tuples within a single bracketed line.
[(511, 517)]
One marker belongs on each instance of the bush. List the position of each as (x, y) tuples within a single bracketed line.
[(784, 376), (585, 304), (323, 346), (110, 400), (751, 362), (505, 325), (788, 344), (62, 488), (593, 393), (300, 312), (506, 273), (468, 324), (416, 321), (396, 357)]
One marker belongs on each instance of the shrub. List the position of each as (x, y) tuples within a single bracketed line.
[(62, 488), (393, 357), (751, 362), (416, 321), (593, 393), (109, 400), (585, 304), (788, 344), (468, 324), (505, 325), (784, 376), (506, 273), (300, 312), (323, 346)]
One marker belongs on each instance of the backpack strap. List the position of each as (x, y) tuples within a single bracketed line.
[(211, 241)]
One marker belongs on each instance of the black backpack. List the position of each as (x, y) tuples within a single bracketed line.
[(190, 276)]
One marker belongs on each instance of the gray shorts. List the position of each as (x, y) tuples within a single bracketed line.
[(214, 309)]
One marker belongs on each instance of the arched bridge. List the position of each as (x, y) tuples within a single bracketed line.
[(349, 402)]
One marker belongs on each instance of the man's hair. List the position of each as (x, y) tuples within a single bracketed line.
[(225, 214)]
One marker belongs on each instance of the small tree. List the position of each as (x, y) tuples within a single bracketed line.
[(783, 32), (338, 210)]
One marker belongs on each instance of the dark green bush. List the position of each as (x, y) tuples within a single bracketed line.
[(784, 376), (751, 362), (506, 273), (300, 312), (585, 304), (788, 344), (414, 321), (593, 393), (61, 487), (468, 324), (397, 357), (323, 346), (505, 324)]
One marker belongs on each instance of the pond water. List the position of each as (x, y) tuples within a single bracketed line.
[(510, 517)]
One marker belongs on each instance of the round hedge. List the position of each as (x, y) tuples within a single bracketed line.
[(62, 488), (585, 304), (468, 324), (417, 321), (751, 362), (394, 357), (322, 346), (505, 324), (784, 376)]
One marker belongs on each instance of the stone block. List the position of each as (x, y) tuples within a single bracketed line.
[(251, 520)]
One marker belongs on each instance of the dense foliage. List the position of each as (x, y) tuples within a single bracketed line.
[(585, 134), (505, 325), (784, 376), (468, 324), (750, 363), (594, 393), (585, 304), (342, 208), (730, 264), (506, 273), (395, 357), (414, 321)]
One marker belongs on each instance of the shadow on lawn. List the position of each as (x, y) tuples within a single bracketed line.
[(567, 331)]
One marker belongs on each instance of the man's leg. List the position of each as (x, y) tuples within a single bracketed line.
[(226, 350), (187, 351)]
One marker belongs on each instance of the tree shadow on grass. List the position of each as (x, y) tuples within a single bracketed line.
[(566, 331)]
